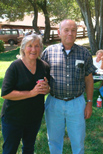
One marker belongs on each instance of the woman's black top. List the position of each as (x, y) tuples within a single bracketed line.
[(18, 77)]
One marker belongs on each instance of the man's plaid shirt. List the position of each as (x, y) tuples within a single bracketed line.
[(68, 72)]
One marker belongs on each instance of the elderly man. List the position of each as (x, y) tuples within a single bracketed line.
[(71, 70)]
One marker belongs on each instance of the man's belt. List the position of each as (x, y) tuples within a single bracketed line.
[(66, 99)]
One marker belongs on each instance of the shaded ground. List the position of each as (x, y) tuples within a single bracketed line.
[(84, 42), (9, 48)]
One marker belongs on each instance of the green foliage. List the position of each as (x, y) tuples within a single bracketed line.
[(1, 46), (14, 10), (65, 9)]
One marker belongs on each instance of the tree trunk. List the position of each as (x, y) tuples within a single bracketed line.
[(43, 6), (34, 22), (97, 25), (35, 18), (47, 28), (85, 9), (101, 26)]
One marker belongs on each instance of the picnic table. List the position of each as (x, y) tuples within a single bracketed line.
[(98, 77)]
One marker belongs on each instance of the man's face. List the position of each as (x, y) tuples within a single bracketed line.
[(68, 32)]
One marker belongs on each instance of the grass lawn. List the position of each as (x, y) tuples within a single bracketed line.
[(94, 125)]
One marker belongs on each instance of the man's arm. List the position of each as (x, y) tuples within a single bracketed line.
[(89, 92)]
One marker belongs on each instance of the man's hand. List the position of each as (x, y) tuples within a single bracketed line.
[(88, 110)]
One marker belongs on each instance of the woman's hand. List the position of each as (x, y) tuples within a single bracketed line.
[(41, 88)]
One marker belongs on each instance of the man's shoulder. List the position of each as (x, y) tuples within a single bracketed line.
[(54, 46), (80, 47)]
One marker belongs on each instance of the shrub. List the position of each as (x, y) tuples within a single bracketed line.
[(1, 46)]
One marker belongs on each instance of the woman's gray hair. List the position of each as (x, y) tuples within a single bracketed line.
[(28, 38)]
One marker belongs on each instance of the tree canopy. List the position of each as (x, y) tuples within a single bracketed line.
[(63, 9), (14, 10)]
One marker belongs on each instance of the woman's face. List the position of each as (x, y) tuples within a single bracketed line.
[(32, 50)]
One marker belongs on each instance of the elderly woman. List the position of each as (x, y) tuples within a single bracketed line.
[(23, 106)]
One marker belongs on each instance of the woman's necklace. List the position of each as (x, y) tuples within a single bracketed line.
[(31, 68)]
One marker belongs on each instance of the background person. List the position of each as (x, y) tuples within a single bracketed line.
[(98, 60), (23, 106), (98, 63), (71, 68)]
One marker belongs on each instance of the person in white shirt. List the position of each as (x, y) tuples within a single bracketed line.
[(98, 63), (98, 60)]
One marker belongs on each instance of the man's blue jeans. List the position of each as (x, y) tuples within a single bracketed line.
[(12, 135), (58, 114)]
